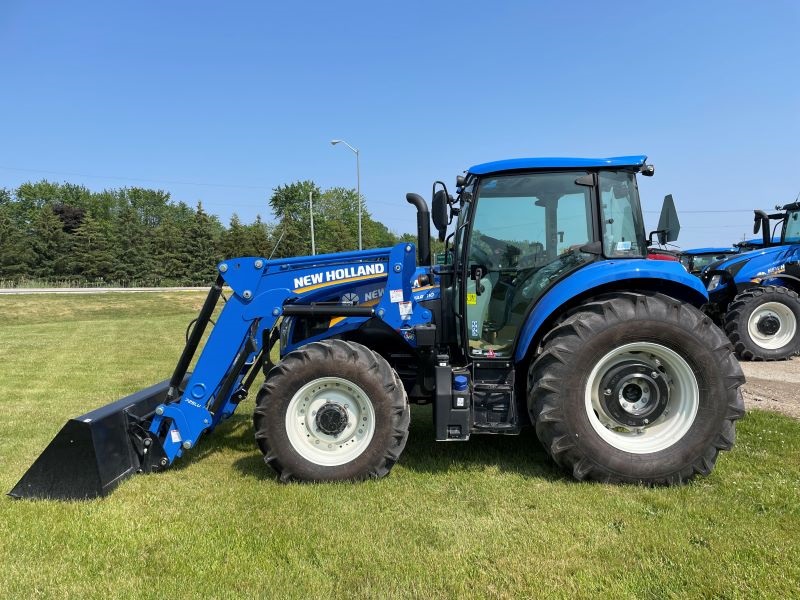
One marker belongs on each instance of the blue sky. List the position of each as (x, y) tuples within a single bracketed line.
[(221, 102)]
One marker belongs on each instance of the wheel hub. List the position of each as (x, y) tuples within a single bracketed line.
[(769, 325), (332, 419), (634, 394)]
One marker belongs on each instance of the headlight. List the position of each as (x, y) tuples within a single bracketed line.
[(714, 282)]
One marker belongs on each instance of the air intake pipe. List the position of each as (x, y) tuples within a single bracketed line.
[(423, 229)]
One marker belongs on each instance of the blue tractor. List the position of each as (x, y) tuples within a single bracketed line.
[(697, 259), (546, 313), (754, 295)]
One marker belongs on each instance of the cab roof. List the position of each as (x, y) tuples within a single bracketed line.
[(514, 164)]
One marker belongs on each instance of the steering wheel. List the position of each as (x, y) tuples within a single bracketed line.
[(546, 273), (481, 257)]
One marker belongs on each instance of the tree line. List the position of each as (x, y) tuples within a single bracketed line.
[(62, 233)]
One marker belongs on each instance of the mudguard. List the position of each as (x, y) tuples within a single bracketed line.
[(622, 273)]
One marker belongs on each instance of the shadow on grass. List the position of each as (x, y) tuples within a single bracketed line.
[(521, 454), (235, 434)]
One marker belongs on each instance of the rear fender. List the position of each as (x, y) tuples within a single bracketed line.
[(625, 275)]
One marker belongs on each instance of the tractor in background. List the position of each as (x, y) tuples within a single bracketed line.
[(754, 295), (545, 313)]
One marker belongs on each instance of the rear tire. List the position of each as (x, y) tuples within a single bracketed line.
[(763, 323), (332, 411), (636, 388)]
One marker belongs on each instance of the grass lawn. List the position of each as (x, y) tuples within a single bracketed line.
[(490, 518)]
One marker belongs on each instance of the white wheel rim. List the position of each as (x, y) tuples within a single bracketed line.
[(671, 425), (786, 330), (302, 426)]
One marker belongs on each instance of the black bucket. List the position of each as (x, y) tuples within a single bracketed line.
[(94, 452)]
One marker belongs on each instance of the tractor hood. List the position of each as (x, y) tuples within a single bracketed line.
[(754, 267), (754, 261), (720, 250)]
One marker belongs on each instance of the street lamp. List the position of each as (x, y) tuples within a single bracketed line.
[(358, 185)]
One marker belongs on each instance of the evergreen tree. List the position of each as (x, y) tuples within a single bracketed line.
[(132, 252), (204, 241), (16, 254), (258, 238), (93, 250), (50, 244), (237, 239), (169, 253)]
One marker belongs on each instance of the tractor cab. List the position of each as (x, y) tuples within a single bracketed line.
[(788, 220), (523, 227)]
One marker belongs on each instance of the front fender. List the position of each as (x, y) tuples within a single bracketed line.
[(629, 274)]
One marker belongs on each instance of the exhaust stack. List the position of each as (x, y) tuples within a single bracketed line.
[(423, 228)]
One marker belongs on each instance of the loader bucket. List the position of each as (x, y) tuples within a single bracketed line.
[(94, 452)]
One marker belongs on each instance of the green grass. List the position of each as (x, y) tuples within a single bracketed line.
[(491, 518)]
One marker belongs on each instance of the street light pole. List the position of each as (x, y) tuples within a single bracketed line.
[(358, 185), (311, 213)]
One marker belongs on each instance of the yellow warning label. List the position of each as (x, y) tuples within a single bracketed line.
[(472, 298)]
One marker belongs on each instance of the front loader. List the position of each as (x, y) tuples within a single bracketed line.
[(546, 313)]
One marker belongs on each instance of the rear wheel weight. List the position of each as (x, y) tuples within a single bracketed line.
[(636, 388), (331, 411), (762, 323)]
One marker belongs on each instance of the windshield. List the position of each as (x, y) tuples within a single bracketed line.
[(701, 261), (791, 228), (623, 229)]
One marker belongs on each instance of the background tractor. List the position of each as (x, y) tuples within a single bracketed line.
[(754, 295), (545, 313)]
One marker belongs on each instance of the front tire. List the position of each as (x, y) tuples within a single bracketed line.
[(763, 323), (636, 388), (332, 411)]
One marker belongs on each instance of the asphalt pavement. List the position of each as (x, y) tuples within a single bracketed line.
[(100, 290)]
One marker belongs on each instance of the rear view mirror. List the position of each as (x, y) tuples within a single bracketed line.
[(668, 224), (440, 212)]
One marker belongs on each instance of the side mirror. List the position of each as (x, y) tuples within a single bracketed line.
[(668, 224), (440, 213)]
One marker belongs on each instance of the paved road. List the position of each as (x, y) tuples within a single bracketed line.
[(17, 291), (773, 386)]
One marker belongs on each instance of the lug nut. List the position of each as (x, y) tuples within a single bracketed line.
[(187, 444), (258, 264), (247, 294), (160, 410)]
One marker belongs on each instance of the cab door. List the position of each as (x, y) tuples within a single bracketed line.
[(527, 230)]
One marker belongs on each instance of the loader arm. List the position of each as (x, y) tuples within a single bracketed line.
[(263, 291)]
